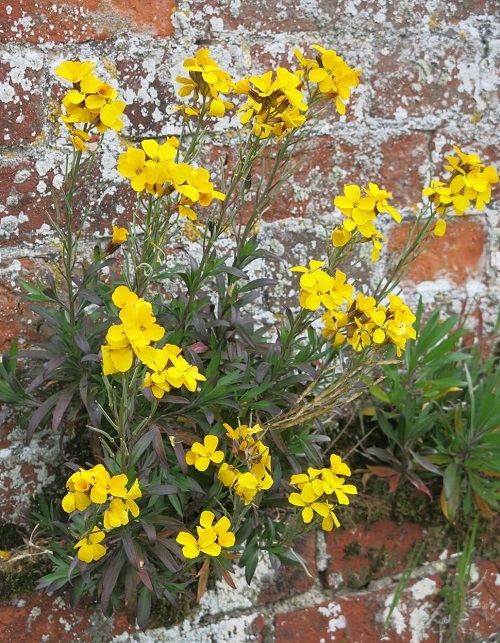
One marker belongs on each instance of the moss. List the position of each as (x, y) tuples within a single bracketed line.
[(11, 536), (378, 557), (352, 550), (19, 577), (164, 614)]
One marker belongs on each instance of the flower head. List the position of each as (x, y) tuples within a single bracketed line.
[(91, 102), (89, 548), (201, 455)]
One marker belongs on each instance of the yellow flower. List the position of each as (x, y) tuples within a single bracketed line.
[(211, 538), (330, 520), (132, 495), (74, 71), (440, 228), (225, 538), (139, 324), (116, 360), (79, 485), (335, 322), (340, 237), (132, 165), (310, 503), (206, 81), (91, 102), (334, 77), (120, 235), (106, 485), (248, 485), (227, 474), (89, 548), (338, 467), (275, 102), (116, 514), (182, 373), (315, 286), (201, 455), (204, 544), (336, 485)]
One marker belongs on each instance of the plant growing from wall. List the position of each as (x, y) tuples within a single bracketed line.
[(204, 422)]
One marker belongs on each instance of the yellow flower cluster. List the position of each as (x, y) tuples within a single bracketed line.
[(137, 330), (333, 76), (275, 102), (154, 170), (201, 455), (317, 486), (207, 82), (256, 458), (318, 288), (366, 322), (97, 486), (211, 538), (252, 454), (470, 181), (133, 337), (91, 102), (361, 207), (359, 320)]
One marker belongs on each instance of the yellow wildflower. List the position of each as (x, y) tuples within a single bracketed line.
[(201, 455), (89, 548)]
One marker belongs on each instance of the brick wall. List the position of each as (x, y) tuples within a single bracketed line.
[(429, 81)]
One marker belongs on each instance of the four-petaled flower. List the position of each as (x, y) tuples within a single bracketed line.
[(89, 547), (201, 455)]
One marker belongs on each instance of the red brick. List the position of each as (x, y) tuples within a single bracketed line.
[(212, 17), (40, 21), (416, 15), (22, 114), (483, 610), (45, 618), (371, 551), (29, 209), (416, 82), (16, 321), (458, 256), (150, 113), (403, 160), (357, 618), (292, 581)]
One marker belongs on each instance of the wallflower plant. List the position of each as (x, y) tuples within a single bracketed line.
[(207, 431)]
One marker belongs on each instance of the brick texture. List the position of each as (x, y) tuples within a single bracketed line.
[(429, 81), (44, 21), (458, 255)]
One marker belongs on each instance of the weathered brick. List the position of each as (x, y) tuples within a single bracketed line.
[(408, 80), (404, 161), (41, 21), (21, 86), (148, 90), (26, 200), (435, 18), (458, 256), (372, 550), (212, 17), (292, 581), (16, 321), (358, 618), (46, 618)]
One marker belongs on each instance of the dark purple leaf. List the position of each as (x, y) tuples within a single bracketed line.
[(81, 341), (65, 397), (109, 578)]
